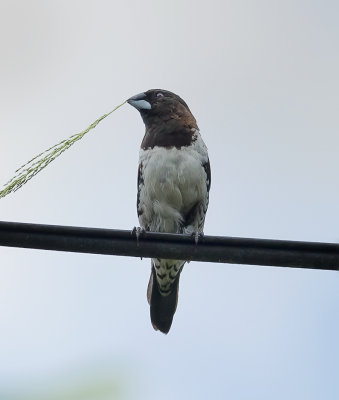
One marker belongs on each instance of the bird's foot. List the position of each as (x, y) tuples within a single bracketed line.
[(138, 231), (197, 236)]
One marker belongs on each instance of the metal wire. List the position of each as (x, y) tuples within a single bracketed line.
[(281, 253)]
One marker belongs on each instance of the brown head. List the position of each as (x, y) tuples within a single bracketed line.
[(168, 120)]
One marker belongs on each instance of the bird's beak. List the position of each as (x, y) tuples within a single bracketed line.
[(139, 102)]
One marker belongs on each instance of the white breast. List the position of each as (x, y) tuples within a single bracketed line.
[(173, 182)]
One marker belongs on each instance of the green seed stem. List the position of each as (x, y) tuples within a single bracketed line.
[(39, 162)]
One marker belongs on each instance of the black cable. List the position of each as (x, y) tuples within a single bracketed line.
[(281, 253)]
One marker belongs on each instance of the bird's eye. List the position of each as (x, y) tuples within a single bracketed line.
[(159, 94)]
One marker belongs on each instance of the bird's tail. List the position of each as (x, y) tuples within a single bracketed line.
[(162, 308)]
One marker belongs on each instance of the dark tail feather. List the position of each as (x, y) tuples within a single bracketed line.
[(162, 307)]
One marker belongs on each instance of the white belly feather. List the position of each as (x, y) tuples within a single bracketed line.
[(173, 182)]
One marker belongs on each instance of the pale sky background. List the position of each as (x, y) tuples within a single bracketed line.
[(261, 78)]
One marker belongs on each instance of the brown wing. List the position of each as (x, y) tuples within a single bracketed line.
[(140, 182), (207, 169), (196, 215)]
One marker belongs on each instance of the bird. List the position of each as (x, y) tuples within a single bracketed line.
[(174, 179)]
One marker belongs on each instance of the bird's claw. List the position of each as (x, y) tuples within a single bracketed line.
[(138, 232), (197, 236)]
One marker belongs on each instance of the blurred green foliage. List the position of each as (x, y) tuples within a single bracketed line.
[(99, 386)]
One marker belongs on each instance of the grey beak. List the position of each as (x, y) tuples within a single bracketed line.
[(139, 102)]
